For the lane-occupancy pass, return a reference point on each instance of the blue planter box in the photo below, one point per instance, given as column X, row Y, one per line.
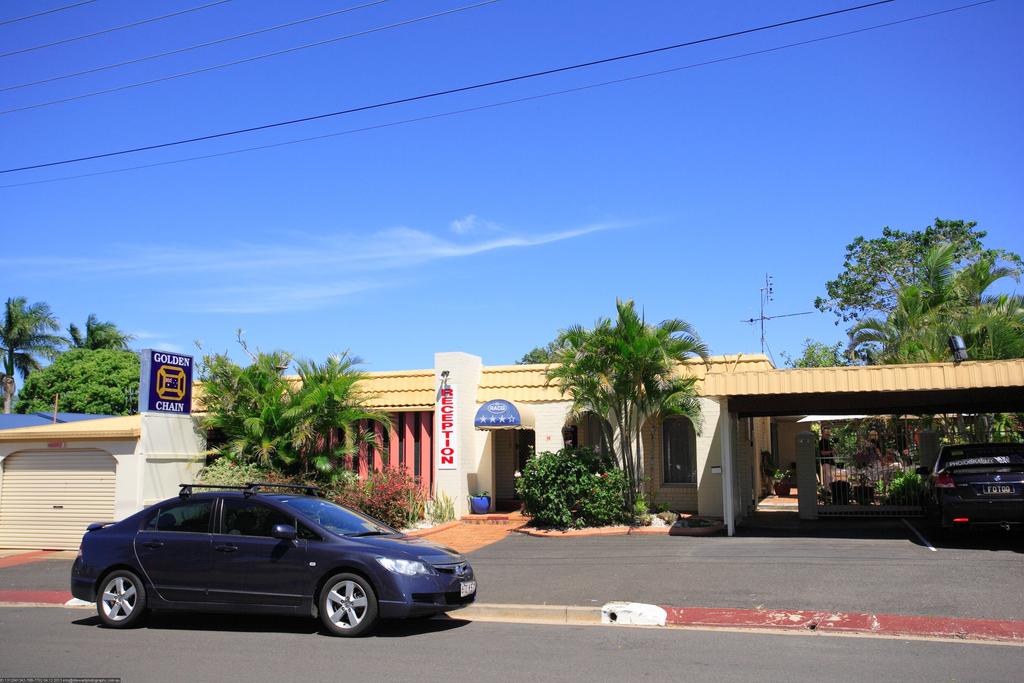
column 480, row 505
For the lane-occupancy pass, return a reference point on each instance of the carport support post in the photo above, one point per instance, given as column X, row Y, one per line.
column 807, row 475
column 727, row 425
column 928, row 447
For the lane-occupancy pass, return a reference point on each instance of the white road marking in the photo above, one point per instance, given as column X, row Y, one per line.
column 924, row 540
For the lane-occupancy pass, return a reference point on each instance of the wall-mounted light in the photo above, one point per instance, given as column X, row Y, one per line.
column 958, row 348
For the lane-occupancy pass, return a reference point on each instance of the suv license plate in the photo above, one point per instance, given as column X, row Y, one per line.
column 995, row 489
column 468, row 588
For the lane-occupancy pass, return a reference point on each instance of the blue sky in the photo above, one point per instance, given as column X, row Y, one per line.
column 488, row 231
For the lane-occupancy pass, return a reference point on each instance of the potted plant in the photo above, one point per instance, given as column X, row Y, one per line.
column 782, row 482
column 863, row 492
column 480, row 503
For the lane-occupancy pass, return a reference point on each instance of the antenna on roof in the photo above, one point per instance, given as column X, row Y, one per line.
column 767, row 296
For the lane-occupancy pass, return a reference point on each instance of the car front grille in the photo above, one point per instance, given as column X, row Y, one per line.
column 456, row 568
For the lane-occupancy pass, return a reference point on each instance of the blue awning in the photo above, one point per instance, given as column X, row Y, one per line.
column 502, row 414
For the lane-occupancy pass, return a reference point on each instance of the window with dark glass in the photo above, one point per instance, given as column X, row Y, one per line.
column 679, row 443
column 595, row 436
column 189, row 516
column 401, row 439
column 385, row 447
column 247, row 518
column 416, row 447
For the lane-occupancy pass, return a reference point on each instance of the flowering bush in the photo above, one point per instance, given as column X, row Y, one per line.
column 392, row 496
column 572, row 488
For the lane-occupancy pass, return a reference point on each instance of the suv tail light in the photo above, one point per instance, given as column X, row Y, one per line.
column 944, row 480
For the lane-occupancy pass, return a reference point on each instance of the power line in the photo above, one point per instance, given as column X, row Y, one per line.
column 502, row 103
column 64, row 41
column 265, row 55
column 44, row 12
column 197, row 46
column 440, row 93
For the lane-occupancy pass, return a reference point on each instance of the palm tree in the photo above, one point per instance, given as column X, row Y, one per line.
column 328, row 402
column 26, row 335
column 98, row 335
column 626, row 372
column 245, row 409
column 942, row 302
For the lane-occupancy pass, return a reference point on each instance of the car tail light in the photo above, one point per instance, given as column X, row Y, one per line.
column 945, row 481
column 960, row 520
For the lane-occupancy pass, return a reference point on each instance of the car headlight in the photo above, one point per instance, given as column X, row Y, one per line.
column 405, row 567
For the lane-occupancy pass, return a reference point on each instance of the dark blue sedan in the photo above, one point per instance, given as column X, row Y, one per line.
column 256, row 550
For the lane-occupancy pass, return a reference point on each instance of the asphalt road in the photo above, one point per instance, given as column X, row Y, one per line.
column 56, row 642
column 894, row 574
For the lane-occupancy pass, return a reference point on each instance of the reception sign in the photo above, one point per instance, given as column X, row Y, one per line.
column 446, row 428
column 165, row 385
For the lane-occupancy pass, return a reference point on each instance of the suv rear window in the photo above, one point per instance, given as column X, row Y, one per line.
column 981, row 456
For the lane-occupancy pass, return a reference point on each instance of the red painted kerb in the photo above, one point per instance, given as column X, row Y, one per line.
column 848, row 622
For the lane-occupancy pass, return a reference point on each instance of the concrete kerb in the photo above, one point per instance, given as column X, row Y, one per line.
column 530, row 614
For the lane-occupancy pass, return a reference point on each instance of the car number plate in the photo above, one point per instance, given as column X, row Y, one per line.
column 468, row 588
column 995, row 489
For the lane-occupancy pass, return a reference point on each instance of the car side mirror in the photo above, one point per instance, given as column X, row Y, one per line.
column 923, row 471
column 285, row 532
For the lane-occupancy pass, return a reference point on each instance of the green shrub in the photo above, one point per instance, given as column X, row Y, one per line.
column 442, row 509
column 573, row 488
column 392, row 496
column 225, row 472
column 906, row 488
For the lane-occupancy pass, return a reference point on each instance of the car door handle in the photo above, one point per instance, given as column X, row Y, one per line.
column 154, row 544
column 225, row 548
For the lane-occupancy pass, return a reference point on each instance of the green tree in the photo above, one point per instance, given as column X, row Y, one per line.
column 100, row 382
column 258, row 415
column 328, row 401
column 627, row 371
column 98, row 335
column 245, row 409
column 27, row 334
column 875, row 270
column 816, row 354
column 541, row 354
column 942, row 301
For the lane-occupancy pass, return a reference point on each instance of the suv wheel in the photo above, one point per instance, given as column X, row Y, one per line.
column 121, row 600
column 348, row 605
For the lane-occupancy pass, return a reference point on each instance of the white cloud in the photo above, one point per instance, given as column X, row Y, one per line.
column 472, row 223
column 305, row 271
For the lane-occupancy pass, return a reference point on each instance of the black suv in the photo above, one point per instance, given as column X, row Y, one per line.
column 976, row 484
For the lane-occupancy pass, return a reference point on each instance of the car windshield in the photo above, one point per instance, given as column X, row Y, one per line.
column 338, row 519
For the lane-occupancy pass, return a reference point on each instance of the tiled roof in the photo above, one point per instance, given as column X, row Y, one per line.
column 528, row 383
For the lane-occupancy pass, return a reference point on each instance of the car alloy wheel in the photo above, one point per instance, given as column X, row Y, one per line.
column 121, row 600
column 348, row 606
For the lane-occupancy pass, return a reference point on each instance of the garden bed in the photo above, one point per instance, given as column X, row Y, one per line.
column 691, row 525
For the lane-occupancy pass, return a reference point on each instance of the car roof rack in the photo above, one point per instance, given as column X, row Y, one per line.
column 249, row 489
column 312, row 490
column 186, row 489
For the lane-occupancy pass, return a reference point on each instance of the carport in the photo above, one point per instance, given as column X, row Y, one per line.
column 918, row 389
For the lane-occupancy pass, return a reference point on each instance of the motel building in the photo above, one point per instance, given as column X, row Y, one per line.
column 462, row 427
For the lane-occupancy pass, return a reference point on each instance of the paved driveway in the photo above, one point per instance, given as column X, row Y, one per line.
column 888, row 575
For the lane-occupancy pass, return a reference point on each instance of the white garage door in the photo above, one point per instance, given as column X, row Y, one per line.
column 47, row 499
